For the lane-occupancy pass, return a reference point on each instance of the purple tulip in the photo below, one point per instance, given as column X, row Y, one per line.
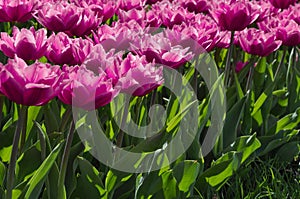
column 257, row 42
column 30, row 85
column 58, row 17
column 283, row 4
column 140, row 77
column 234, row 15
column 16, row 10
column 64, row 50
column 131, row 4
column 26, row 44
column 133, row 14
column 172, row 14
column 102, row 8
column 82, row 88
column 159, row 48
column 196, row 6
column 288, row 32
column 118, row 36
column 86, row 23
column 240, row 65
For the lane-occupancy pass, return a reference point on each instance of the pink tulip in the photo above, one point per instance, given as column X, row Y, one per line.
column 234, row 15
column 140, row 77
column 288, row 32
column 240, row 65
column 30, row 85
column 102, row 8
column 131, row 4
column 86, row 23
column 172, row 14
column 257, row 42
column 283, row 4
column 58, row 17
column 82, row 88
column 64, row 50
column 159, row 48
column 118, row 37
column 16, row 10
column 26, row 44
column 133, row 14
column 196, row 6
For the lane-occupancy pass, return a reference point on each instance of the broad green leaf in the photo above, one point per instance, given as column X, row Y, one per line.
column 247, row 145
column 89, row 184
column 25, row 166
column 288, row 151
column 186, row 173
column 232, row 121
column 169, row 186
column 289, row 122
column 36, row 182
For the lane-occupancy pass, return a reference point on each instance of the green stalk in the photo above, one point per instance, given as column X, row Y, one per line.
column 64, row 162
column 228, row 60
column 14, row 153
column 124, row 118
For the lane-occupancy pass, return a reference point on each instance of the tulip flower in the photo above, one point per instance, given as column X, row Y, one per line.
column 140, row 77
column 133, row 14
column 288, row 32
column 160, row 49
column 172, row 14
column 234, row 15
column 196, row 6
column 64, row 50
column 81, row 88
column 283, row 4
column 30, row 85
column 26, row 44
column 16, row 10
column 131, row 4
column 58, row 17
column 119, row 36
column 103, row 8
column 258, row 42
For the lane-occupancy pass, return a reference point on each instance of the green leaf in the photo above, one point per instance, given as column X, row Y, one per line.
column 232, row 121
column 25, row 166
column 289, row 122
column 170, row 188
column 89, row 183
column 186, row 174
column 2, row 173
column 289, row 151
column 36, row 182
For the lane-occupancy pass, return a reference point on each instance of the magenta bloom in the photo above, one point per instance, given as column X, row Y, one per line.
column 283, row 4
column 131, row 4
column 26, row 44
column 234, row 15
column 140, row 77
column 82, row 88
column 196, row 6
column 30, row 85
column 288, row 32
column 102, row 8
column 240, row 65
column 58, row 17
column 118, row 36
column 159, row 48
column 64, row 50
column 257, row 42
column 16, row 10
column 133, row 14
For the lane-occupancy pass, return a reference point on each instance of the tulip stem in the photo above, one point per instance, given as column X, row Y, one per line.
column 280, row 64
column 228, row 60
column 14, row 152
column 124, row 118
column 64, row 162
column 24, row 127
